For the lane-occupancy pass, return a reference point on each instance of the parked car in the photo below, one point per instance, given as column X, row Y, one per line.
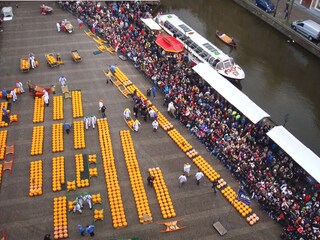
column 7, row 13
column 308, row 28
column 265, row 5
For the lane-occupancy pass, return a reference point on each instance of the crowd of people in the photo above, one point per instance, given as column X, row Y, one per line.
column 266, row 171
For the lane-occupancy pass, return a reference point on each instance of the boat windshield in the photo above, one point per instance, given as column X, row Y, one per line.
column 228, row 63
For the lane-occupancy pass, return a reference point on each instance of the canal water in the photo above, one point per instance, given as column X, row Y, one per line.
column 282, row 78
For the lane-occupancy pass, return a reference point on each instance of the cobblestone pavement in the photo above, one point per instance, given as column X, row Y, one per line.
column 24, row 217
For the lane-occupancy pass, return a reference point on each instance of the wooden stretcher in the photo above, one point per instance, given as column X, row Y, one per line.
column 129, row 122
column 51, row 60
column 119, row 85
column 7, row 165
column 172, row 226
column 66, row 92
column 24, row 64
column 76, row 56
column 89, row 33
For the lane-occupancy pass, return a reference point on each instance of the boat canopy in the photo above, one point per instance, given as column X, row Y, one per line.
column 169, row 43
column 302, row 155
column 234, row 96
column 150, row 23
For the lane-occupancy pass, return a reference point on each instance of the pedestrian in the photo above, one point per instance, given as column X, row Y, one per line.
column 93, row 121
column 214, row 185
column 67, row 127
column 113, row 69
column 88, row 198
column 20, row 86
column 79, row 200
column 136, row 125
column 58, row 26
column 86, row 122
column 100, row 104
column 148, row 92
column 126, row 113
column 63, row 80
column 80, row 23
column 153, row 90
column 47, row 237
column 287, row 5
column 14, row 94
column 53, row 89
column 182, row 180
column 81, row 230
column 155, row 125
column 108, row 77
column 136, row 110
column 150, row 180
column 186, row 169
column 76, row 207
column 46, row 97
column 4, row 94
column 151, row 113
column 90, row 230
column 103, row 111
column 32, row 60
column 198, row 176
column 5, row 112
column 286, row 14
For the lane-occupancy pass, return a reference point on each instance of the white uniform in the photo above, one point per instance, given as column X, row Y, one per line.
column 62, row 80
column 93, row 121
column 20, row 85
column 182, row 179
column 151, row 113
column 87, row 122
column 136, row 125
column 88, row 199
column 14, row 95
column 58, row 27
column 155, row 125
column 80, row 201
column 186, row 169
column 32, row 61
column 77, row 207
column 46, row 97
column 127, row 113
column 100, row 105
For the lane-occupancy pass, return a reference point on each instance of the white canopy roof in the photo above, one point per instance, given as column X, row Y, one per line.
column 151, row 23
column 231, row 93
column 302, row 155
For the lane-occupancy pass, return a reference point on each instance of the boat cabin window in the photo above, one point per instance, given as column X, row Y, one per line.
column 219, row 66
column 227, row 64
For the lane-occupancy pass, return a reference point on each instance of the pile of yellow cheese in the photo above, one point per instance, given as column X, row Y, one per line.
column 3, row 143
column 37, row 140
column 58, row 173
column 77, row 109
column 60, row 218
column 206, row 168
column 57, row 137
column 79, row 139
column 139, row 192
column 183, row 144
column 80, row 169
column 162, row 193
column 35, row 178
column 38, row 113
column 116, row 205
column 58, row 108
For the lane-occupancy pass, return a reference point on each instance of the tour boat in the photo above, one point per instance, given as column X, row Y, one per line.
column 200, row 49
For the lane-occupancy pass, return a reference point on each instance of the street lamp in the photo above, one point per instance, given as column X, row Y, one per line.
column 275, row 11
column 286, row 119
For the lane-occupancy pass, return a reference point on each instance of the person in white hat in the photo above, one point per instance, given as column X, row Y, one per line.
column 136, row 125
column 127, row 113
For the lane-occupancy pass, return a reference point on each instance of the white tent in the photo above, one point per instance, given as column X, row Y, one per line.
column 302, row 155
column 8, row 14
column 230, row 93
column 151, row 23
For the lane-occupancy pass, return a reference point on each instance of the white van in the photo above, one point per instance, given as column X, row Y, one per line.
column 7, row 13
column 308, row 28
